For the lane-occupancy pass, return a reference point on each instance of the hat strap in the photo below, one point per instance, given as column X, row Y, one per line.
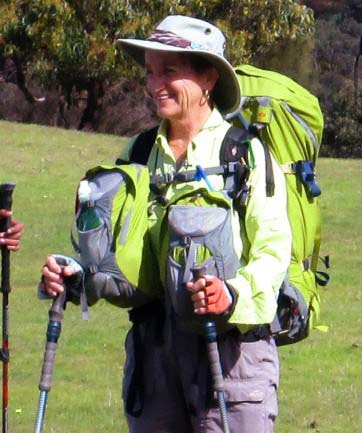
column 169, row 38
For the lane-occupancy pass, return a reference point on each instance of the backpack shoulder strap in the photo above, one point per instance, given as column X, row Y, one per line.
column 142, row 146
column 235, row 148
column 235, row 144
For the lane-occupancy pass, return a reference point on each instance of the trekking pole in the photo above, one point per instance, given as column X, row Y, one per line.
column 214, row 360
column 6, row 190
column 53, row 332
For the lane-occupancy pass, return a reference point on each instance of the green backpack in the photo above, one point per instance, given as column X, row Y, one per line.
column 288, row 119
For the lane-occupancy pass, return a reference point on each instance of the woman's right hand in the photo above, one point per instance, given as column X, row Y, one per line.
column 53, row 275
column 11, row 238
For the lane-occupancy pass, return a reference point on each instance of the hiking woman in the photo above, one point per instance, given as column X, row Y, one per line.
column 11, row 238
column 166, row 386
column 194, row 87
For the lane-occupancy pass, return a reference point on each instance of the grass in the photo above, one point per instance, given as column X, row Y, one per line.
column 321, row 378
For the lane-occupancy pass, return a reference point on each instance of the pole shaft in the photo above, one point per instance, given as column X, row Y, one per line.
column 5, row 348
column 39, row 422
column 5, row 289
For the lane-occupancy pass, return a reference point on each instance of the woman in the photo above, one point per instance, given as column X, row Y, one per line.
column 193, row 87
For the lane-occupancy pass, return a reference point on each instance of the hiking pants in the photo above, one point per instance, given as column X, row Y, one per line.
column 177, row 385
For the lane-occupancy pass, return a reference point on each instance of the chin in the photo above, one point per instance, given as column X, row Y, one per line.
column 168, row 110
column 167, row 114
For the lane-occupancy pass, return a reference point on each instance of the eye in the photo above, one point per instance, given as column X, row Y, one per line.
column 148, row 72
column 170, row 70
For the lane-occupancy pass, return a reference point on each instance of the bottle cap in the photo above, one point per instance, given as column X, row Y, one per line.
column 84, row 191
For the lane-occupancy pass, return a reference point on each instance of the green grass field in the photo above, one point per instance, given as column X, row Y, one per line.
column 321, row 378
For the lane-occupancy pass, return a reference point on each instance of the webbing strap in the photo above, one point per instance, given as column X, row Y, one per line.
column 234, row 140
column 190, row 261
column 254, row 131
column 269, row 174
column 190, row 175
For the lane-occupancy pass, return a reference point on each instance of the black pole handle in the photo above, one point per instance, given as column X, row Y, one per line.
column 6, row 201
column 214, row 356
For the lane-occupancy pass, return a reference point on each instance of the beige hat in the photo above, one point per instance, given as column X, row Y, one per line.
column 183, row 34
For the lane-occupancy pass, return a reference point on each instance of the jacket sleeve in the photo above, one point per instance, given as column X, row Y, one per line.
column 267, row 239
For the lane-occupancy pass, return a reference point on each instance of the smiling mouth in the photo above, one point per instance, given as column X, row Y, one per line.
column 161, row 98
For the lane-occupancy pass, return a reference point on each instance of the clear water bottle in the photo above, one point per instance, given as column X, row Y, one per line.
column 88, row 218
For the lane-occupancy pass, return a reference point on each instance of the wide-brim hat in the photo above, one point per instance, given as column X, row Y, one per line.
column 182, row 34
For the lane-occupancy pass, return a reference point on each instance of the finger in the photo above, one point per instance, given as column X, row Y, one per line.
column 52, row 264
column 197, row 285
column 52, row 288
column 5, row 213
column 16, row 227
column 15, row 235
column 13, row 247
column 199, row 296
column 213, row 296
column 202, row 303
column 50, row 276
column 210, row 290
column 9, row 241
column 201, row 310
column 68, row 271
column 11, row 244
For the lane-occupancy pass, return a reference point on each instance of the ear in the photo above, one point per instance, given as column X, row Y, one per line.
column 212, row 76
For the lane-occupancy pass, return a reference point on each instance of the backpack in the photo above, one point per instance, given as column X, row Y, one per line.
column 288, row 121
column 119, row 245
column 196, row 237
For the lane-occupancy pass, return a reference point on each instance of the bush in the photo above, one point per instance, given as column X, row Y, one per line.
column 123, row 110
column 337, row 44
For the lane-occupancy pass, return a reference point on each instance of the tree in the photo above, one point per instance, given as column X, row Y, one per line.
column 251, row 26
column 15, row 43
column 338, row 38
column 73, row 43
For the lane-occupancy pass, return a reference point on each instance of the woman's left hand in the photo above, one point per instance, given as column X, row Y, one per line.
column 11, row 238
column 210, row 295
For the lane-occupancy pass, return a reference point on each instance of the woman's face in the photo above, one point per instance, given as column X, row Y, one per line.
column 177, row 89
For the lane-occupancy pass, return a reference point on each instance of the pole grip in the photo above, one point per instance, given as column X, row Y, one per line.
column 6, row 201
column 214, row 357
column 45, row 383
column 53, row 333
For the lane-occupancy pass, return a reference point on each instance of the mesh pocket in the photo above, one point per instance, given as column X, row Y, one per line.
column 93, row 245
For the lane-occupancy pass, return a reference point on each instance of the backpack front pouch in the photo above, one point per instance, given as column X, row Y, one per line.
column 199, row 238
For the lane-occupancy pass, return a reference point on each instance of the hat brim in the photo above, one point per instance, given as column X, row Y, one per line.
column 227, row 92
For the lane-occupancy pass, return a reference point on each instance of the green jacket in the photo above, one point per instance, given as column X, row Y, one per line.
column 263, row 242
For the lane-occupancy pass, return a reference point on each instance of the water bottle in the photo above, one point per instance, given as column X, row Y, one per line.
column 88, row 218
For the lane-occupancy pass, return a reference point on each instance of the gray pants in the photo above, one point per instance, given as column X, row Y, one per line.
column 177, row 386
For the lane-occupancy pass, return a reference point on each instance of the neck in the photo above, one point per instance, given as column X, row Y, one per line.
column 182, row 131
